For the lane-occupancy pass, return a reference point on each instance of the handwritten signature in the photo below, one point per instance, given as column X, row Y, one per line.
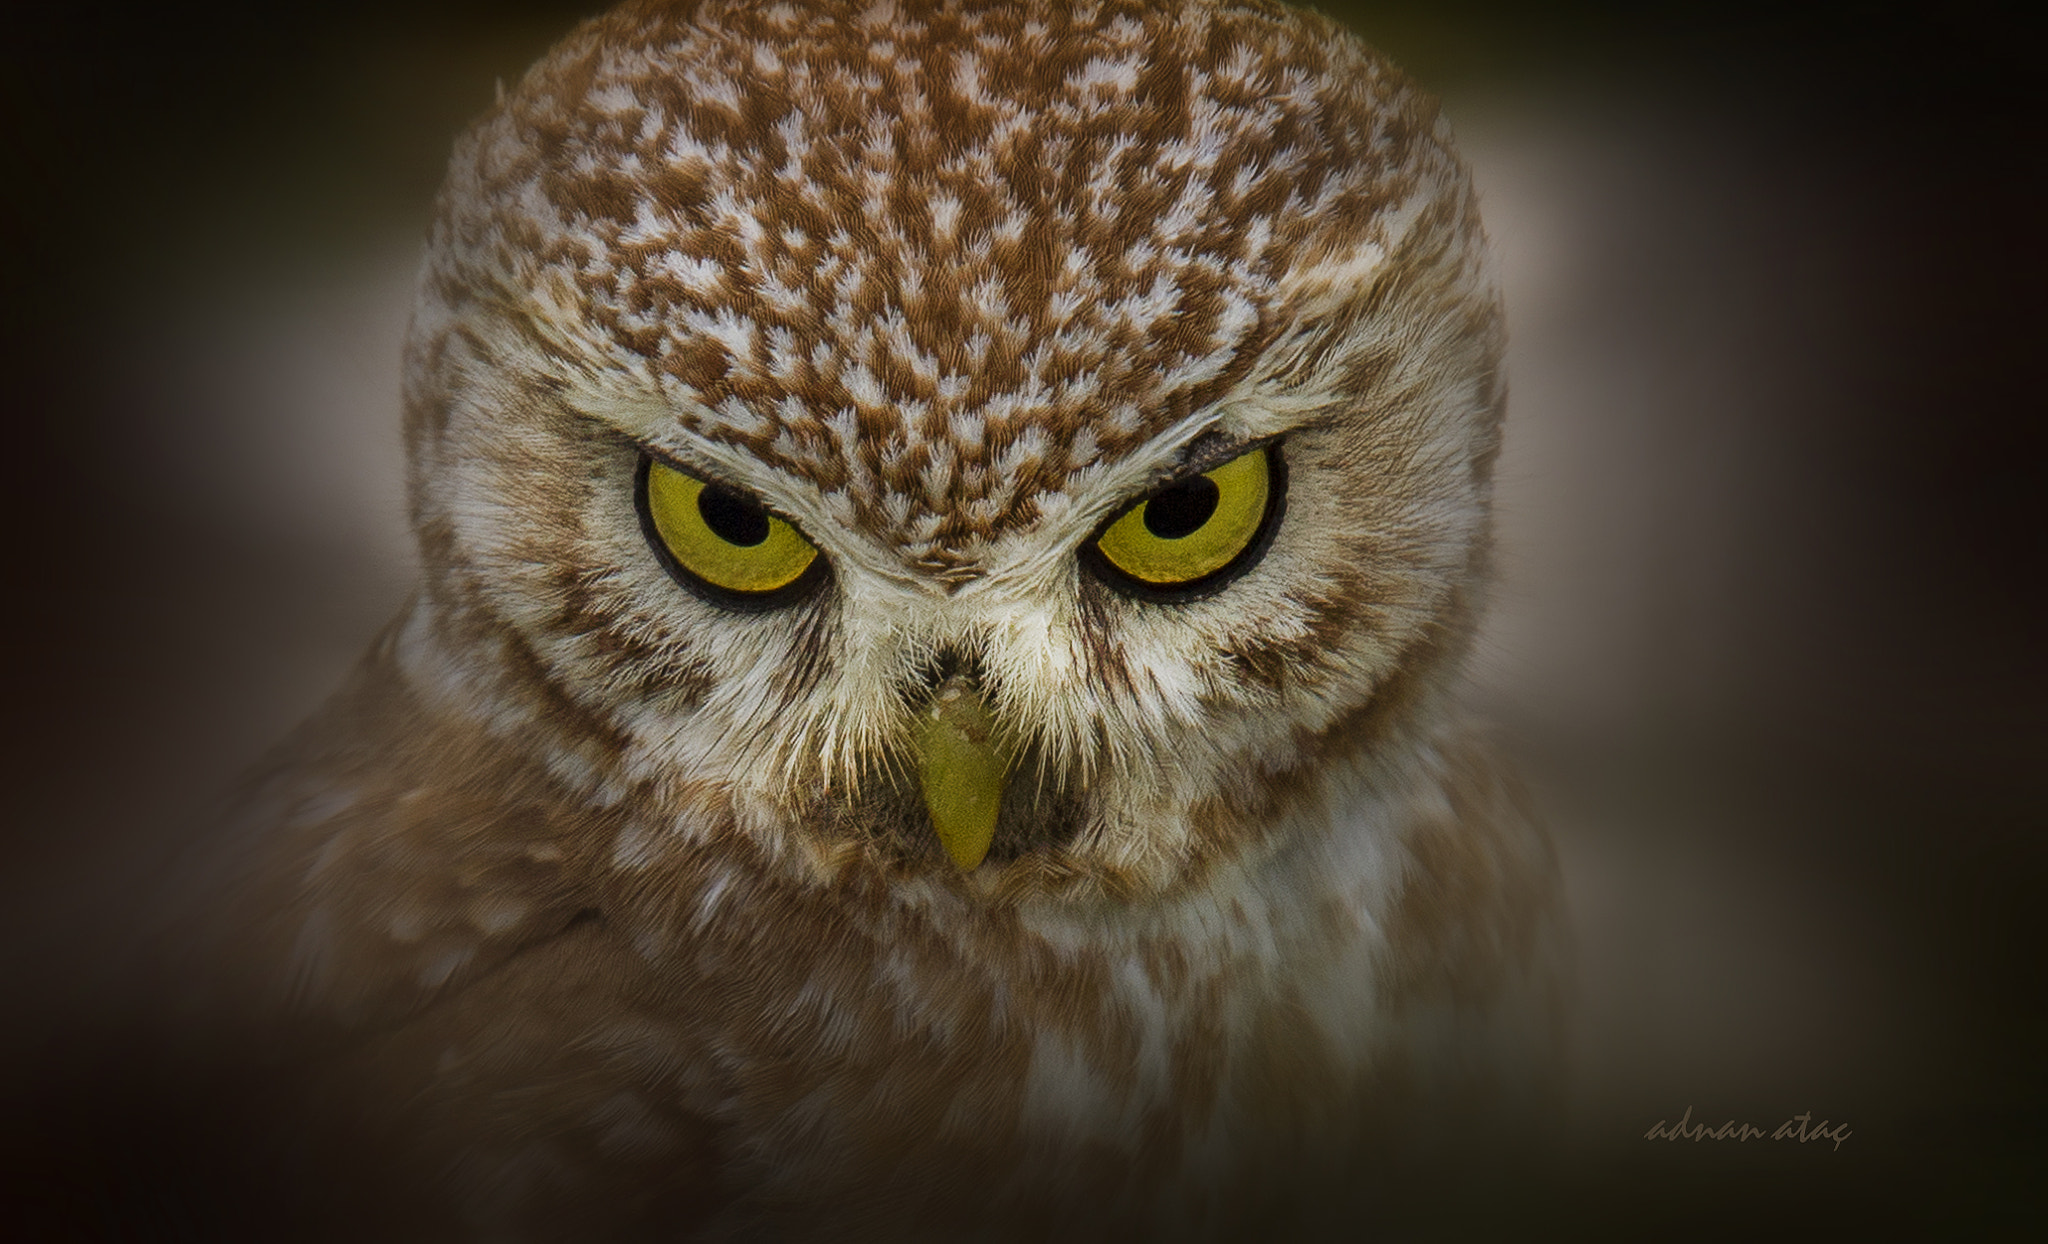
column 1799, row 1127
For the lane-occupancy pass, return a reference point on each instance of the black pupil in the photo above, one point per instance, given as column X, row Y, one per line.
column 732, row 517
column 1182, row 509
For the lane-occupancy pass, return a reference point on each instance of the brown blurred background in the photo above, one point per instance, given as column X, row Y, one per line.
column 1771, row 631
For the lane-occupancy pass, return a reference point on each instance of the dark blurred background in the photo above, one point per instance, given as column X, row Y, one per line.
column 1771, row 630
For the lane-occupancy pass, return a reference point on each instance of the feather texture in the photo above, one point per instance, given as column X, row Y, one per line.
column 599, row 906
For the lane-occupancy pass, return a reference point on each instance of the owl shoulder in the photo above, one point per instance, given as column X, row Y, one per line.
column 384, row 857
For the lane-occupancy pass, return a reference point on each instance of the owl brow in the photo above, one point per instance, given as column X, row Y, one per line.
column 706, row 469
column 1209, row 450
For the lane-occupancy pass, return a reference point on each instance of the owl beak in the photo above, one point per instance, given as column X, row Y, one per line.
column 962, row 770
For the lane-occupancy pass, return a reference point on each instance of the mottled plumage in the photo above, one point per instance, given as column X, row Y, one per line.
column 605, row 903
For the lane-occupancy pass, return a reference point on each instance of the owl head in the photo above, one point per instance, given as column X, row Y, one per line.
column 1010, row 448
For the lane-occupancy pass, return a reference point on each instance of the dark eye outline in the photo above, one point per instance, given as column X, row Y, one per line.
column 1216, row 580
column 791, row 593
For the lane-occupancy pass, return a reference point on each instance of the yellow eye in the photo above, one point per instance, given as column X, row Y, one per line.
column 723, row 543
column 1195, row 533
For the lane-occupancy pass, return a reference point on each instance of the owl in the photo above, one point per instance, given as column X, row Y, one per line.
column 951, row 534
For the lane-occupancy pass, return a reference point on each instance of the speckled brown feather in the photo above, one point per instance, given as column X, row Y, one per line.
column 945, row 254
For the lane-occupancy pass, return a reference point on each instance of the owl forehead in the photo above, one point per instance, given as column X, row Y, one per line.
column 934, row 260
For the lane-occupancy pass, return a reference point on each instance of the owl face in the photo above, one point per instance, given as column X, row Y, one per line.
column 994, row 448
